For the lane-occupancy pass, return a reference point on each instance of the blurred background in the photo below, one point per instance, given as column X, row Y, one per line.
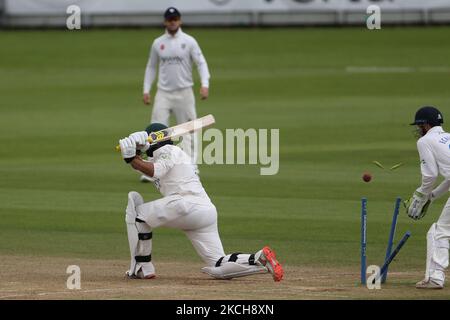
column 52, row 13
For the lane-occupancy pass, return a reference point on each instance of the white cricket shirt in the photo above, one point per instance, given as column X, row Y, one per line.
column 175, row 55
column 174, row 173
column 434, row 152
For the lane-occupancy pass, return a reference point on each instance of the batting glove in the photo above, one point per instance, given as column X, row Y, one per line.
column 140, row 139
column 417, row 205
column 128, row 149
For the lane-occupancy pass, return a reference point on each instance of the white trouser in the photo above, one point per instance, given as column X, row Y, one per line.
column 437, row 247
column 182, row 104
column 196, row 216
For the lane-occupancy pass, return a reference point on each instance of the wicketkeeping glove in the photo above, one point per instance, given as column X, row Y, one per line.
column 140, row 140
column 128, row 149
column 417, row 206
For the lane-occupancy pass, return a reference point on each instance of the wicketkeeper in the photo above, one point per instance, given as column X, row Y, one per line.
column 186, row 206
column 434, row 151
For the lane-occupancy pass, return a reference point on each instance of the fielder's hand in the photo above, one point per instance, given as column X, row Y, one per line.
column 140, row 139
column 417, row 206
column 204, row 93
column 128, row 149
column 147, row 98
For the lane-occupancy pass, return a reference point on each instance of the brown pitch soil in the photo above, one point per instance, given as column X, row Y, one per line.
column 32, row 277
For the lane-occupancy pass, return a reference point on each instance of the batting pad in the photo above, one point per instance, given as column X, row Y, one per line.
column 139, row 238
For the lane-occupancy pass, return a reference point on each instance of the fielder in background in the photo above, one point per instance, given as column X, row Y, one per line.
column 174, row 52
column 434, row 151
column 186, row 206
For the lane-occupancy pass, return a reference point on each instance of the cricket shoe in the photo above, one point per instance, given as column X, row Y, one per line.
column 430, row 284
column 140, row 275
column 268, row 259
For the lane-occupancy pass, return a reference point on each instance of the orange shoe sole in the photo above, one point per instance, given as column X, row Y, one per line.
column 272, row 264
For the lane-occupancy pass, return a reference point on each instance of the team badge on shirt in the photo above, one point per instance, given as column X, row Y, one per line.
column 183, row 46
column 162, row 46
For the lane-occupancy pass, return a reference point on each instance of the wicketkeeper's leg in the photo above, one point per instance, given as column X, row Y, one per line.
column 437, row 247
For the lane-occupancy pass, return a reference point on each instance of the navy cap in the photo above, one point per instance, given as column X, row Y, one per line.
column 172, row 12
column 428, row 115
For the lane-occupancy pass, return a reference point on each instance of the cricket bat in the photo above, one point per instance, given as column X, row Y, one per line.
column 179, row 130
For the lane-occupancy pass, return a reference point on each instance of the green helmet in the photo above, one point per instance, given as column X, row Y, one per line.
column 154, row 127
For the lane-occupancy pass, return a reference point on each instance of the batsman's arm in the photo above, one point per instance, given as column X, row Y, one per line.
column 145, row 167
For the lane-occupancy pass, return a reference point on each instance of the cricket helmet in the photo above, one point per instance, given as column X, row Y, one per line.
column 428, row 115
column 154, row 127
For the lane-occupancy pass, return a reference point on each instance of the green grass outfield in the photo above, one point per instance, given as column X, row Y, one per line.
column 67, row 97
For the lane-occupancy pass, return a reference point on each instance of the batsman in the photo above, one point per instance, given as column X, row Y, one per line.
column 185, row 205
column 434, row 151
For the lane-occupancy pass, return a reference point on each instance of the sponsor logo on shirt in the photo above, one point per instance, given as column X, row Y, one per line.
column 171, row 60
column 444, row 140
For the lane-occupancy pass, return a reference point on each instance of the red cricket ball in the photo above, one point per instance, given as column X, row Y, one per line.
column 367, row 176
